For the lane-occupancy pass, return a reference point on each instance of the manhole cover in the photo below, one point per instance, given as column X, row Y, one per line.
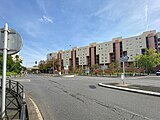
column 92, row 86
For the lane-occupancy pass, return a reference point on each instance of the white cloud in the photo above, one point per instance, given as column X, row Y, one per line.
column 42, row 5
column 102, row 10
column 32, row 28
column 46, row 19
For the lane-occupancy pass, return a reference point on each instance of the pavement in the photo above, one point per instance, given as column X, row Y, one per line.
column 142, row 89
column 35, row 113
column 80, row 98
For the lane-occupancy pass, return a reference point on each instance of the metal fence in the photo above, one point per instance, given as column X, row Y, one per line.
column 15, row 101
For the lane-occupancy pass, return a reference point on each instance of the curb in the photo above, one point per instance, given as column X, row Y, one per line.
column 36, row 109
column 33, row 110
column 131, row 90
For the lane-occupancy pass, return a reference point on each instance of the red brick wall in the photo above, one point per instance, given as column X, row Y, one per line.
column 74, row 59
column 151, row 42
column 92, row 56
column 117, row 48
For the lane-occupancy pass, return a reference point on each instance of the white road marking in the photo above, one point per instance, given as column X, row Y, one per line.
column 37, row 110
column 23, row 80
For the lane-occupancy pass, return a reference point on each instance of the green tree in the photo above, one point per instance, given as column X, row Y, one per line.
column 150, row 59
column 41, row 65
column 12, row 65
column 114, row 65
column 56, row 64
column 94, row 67
column 45, row 65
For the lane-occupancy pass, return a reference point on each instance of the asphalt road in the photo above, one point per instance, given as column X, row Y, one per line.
column 81, row 98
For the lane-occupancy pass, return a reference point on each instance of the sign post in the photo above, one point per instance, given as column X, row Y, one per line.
column 123, row 60
column 4, row 71
column 10, row 43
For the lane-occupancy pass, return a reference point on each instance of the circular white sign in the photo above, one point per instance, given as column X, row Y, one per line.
column 14, row 43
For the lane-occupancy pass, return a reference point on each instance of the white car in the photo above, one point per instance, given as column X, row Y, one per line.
column 158, row 72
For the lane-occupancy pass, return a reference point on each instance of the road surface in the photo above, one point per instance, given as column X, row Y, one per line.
column 80, row 98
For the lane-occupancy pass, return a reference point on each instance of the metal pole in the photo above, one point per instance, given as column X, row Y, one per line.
column 123, row 69
column 4, row 71
column 123, row 73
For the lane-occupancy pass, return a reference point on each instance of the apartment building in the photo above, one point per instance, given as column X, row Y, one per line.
column 103, row 51
column 66, row 58
column 82, row 54
column 107, row 52
column 50, row 56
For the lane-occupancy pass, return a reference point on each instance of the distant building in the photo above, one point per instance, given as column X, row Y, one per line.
column 107, row 52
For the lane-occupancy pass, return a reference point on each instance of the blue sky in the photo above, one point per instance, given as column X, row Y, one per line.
column 51, row 25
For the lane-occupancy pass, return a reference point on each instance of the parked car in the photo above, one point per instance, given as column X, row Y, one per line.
column 158, row 72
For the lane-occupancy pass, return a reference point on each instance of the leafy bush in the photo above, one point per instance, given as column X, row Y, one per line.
column 11, row 73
